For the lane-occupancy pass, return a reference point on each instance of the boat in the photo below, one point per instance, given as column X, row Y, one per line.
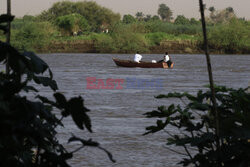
column 142, row 64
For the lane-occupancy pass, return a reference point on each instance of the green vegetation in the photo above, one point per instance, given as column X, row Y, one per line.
column 158, row 37
column 122, row 40
column 127, row 19
column 81, row 22
column 97, row 17
column 232, row 37
column 72, row 24
column 31, row 35
column 181, row 19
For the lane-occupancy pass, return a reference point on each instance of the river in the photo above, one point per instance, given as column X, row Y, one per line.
column 117, row 115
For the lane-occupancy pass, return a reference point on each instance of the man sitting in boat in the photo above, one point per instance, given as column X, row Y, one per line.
column 137, row 57
column 166, row 59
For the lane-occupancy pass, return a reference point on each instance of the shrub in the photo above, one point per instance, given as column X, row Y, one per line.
column 32, row 35
column 170, row 28
column 156, row 38
column 193, row 127
column 231, row 37
column 127, row 41
column 104, row 43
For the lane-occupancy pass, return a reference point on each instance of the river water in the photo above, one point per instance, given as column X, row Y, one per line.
column 117, row 115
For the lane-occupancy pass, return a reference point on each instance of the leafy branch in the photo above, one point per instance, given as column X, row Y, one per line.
column 28, row 127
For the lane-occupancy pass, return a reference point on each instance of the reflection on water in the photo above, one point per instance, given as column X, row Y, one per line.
column 117, row 115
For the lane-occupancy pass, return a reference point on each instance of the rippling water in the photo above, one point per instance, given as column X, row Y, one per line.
column 117, row 115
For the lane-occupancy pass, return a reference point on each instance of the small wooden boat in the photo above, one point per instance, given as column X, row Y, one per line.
column 129, row 63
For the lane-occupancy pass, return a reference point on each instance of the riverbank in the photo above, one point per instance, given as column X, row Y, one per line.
column 89, row 46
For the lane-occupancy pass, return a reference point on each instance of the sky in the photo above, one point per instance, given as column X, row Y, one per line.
column 189, row 8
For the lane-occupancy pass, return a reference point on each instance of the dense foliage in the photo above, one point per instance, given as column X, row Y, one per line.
column 72, row 24
column 127, row 19
column 231, row 37
column 181, row 19
column 195, row 127
column 121, row 40
column 86, row 21
column 28, row 124
column 31, row 35
column 95, row 15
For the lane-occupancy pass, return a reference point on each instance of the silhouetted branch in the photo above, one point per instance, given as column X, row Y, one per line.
column 91, row 144
column 206, row 49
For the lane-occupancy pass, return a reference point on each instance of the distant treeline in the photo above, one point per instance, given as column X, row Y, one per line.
column 68, row 22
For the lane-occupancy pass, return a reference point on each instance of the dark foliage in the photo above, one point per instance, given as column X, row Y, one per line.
column 195, row 127
column 28, row 126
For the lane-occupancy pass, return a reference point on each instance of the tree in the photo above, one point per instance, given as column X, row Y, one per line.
column 211, row 9
column 72, row 23
column 139, row 16
column 193, row 21
column 95, row 14
column 181, row 19
column 29, row 18
column 230, row 9
column 148, row 17
column 212, row 14
column 155, row 17
column 165, row 12
column 127, row 19
column 222, row 16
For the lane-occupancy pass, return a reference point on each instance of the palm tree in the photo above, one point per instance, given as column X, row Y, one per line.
column 212, row 9
column 139, row 15
column 230, row 10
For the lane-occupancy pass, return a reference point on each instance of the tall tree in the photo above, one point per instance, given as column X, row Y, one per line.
column 127, row 19
column 212, row 14
column 222, row 16
column 148, row 17
column 139, row 16
column 165, row 12
column 211, row 9
column 230, row 9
